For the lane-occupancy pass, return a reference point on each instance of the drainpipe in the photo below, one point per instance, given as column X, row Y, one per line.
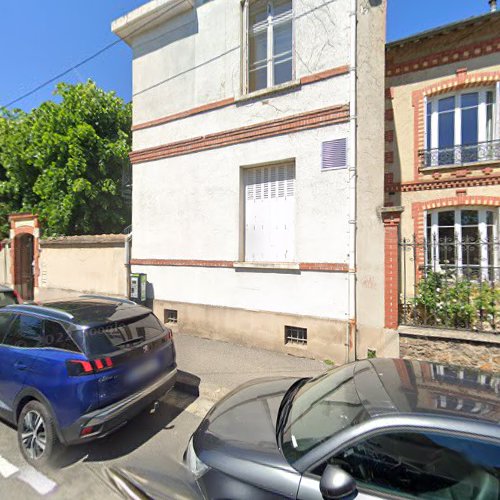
column 128, row 252
column 351, row 304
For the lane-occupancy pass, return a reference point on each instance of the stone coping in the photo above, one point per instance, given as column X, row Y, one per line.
column 437, row 333
column 84, row 240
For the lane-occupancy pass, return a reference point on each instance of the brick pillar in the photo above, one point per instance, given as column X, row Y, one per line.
column 391, row 217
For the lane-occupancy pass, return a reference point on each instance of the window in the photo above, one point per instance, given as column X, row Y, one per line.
column 169, row 316
column 25, row 331
column 5, row 320
column 295, row 335
column 460, row 129
column 55, row 336
column 269, row 42
column 270, row 213
column 463, row 240
column 427, row 465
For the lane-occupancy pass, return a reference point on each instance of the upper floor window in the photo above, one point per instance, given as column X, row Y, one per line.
column 460, row 129
column 270, row 43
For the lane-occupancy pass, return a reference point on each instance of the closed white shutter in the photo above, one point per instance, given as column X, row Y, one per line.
column 270, row 213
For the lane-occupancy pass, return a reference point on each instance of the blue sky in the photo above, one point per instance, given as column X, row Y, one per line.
column 41, row 38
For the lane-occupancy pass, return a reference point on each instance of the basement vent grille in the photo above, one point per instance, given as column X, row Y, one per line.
column 169, row 316
column 334, row 154
column 295, row 335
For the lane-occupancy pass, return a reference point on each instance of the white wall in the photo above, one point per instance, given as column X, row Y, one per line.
column 5, row 265
column 187, row 207
column 194, row 59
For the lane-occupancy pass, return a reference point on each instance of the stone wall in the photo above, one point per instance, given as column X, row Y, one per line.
column 455, row 351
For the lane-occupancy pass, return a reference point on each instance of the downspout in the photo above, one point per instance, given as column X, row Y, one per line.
column 351, row 340
column 128, row 247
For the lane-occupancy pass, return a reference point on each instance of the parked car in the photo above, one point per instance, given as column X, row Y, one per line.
column 383, row 428
column 8, row 296
column 76, row 370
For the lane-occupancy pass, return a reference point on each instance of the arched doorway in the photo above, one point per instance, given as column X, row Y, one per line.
column 24, row 268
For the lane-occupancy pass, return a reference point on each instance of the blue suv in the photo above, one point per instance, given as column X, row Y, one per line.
column 76, row 370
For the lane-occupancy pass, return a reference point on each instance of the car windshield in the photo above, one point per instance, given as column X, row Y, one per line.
column 7, row 298
column 322, row 407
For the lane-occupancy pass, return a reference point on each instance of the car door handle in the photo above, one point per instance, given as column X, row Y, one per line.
column 20, row 365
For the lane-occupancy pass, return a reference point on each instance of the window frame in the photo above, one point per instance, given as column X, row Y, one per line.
column 433, row 261
column 431, row 130
column 245, row 44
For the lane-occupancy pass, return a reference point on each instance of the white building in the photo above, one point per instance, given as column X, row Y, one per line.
column 258, row 170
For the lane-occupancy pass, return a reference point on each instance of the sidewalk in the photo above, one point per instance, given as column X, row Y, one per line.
column 214, row 368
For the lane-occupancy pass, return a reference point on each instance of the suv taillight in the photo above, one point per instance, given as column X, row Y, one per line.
column 77, row 367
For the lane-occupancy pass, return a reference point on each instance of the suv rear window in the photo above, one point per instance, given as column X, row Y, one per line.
column 7, row 298
column 119, row 336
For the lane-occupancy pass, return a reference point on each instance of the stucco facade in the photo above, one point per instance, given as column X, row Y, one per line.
column 197, row 132
column 424, row 175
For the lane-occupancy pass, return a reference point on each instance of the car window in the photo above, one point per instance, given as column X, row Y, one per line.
column 7, row 298
column 5, row 320
column 322, row 407
column 424, row 465
column 114, row 337
column 55, row 336
column 25, row 331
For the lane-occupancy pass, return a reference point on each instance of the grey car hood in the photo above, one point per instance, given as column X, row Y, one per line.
column 241, row 428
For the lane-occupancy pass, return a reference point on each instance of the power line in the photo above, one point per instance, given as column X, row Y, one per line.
column 84, row 61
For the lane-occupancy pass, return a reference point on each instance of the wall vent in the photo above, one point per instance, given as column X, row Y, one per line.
column 334, row 154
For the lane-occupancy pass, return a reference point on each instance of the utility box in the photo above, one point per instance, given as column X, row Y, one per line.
column 138, row 283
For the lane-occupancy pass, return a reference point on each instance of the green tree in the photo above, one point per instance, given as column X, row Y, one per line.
column 66, row 161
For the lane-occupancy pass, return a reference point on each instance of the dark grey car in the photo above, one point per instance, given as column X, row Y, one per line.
column 385, row 428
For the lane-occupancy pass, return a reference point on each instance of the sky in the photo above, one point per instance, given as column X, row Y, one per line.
column 42, row 38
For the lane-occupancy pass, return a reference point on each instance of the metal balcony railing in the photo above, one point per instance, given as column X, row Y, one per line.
column 460, row 155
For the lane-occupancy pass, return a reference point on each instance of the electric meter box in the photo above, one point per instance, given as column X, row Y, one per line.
column 138, row 283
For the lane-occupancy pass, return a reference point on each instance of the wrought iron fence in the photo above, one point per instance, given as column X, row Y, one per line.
column 450, row 283
column 460, row 155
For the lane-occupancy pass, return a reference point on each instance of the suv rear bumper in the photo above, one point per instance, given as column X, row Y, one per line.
column 108, row 419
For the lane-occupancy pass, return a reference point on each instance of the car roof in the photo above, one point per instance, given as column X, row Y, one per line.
column 402, row 386
column 5, row 288
column 87, row 310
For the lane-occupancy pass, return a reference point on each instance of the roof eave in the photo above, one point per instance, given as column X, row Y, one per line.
column 147, row 16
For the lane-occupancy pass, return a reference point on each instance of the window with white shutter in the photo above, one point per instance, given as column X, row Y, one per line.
column 334, row 154
column 270, row 213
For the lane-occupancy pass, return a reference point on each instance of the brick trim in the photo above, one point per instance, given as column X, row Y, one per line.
column 460, row 81
column 404, row 187
column 289, row 124
column 305, row 80
column 391, row 219
column 303, row 266
column 470, row 51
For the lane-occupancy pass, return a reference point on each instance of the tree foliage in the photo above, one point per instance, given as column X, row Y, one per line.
column 66, row 161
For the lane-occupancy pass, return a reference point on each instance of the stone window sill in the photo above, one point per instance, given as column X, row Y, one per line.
column 267, row 265
column 269, row 91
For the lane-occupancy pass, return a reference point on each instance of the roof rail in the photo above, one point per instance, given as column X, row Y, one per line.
column 111, row 299
column 34, row 308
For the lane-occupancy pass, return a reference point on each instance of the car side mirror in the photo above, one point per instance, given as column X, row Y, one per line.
column 337, row 484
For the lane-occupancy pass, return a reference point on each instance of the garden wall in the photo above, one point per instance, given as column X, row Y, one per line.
column 468, row 349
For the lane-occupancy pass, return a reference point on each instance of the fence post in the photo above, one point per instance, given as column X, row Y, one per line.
column 391, row 217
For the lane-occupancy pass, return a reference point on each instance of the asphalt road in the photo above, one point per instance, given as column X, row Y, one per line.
column 209, row 370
